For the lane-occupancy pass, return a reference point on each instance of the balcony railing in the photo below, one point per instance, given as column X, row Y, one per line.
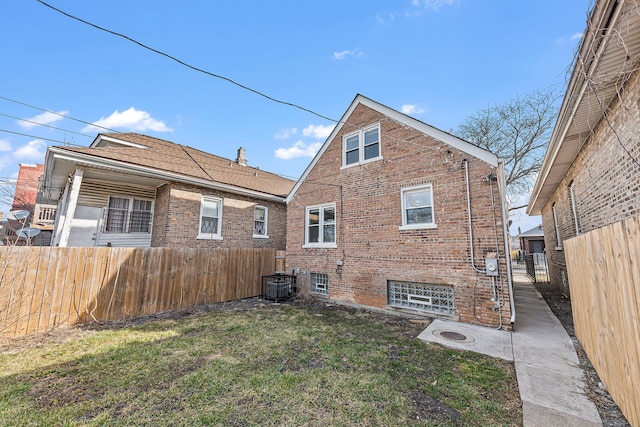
column 44, row 214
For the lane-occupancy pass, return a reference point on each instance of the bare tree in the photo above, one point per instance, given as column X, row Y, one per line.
column 517, row 131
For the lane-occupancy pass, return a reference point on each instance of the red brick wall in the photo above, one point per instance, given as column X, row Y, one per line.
column 606, row 179
column 177, row 219
column 368, row 217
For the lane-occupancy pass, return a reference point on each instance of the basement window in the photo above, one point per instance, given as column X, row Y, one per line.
column 319, row 283
column 425, row 297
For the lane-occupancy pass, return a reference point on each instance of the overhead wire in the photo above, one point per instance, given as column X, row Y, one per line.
column 40, row 137
column 58, row 114
column 192, row 67
column 45, row 125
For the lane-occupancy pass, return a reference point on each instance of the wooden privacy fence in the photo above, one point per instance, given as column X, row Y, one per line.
column 604, row 278
column 43, row 287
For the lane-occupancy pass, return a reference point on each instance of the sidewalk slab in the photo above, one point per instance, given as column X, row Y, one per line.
column 550, row 380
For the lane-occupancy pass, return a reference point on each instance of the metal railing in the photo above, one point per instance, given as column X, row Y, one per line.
column 533, row 266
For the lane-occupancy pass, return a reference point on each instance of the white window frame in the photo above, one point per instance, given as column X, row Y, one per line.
column 321, row 243
column 574, row 208
column 414, row 189
column 218, row 234
column 266, row 222
column 127, row 219
column 361, row 145
column 557, row 227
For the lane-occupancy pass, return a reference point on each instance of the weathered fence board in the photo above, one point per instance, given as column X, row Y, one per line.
column 604, row 278
column 42, row 288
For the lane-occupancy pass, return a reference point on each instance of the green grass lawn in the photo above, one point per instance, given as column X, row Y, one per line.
column 271, row 365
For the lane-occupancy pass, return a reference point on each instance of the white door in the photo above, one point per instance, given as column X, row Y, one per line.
column 84, row 226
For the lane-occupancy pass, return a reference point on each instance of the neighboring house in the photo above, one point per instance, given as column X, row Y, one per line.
column 380, row 218
column 133, row 190
column 532, row 241
column 26, row 197
column 590, row 176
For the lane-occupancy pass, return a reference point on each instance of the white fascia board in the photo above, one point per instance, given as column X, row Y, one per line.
column 155, row 173
column 101, row 137
column 438, row 134
column 577, row 84
column 322, row 149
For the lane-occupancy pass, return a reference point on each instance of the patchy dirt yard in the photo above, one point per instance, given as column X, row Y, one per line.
column 561, row 307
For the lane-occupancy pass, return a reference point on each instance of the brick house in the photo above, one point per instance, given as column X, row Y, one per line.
column 589, row 177
column 532, row 241
column 380, row 218
column 133, row 190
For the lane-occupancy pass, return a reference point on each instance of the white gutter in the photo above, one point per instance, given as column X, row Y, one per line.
column 505, row 230
column 155, row 173
column 550, row 157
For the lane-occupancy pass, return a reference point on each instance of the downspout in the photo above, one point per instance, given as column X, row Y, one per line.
column 466, row 170
column 505, row 229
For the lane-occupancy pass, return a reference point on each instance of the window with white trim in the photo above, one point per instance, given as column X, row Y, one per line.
column 260, row 219
column 557, row 227
column 361, row 146
column 320, row 226
column 210, row 218
column 319, row 283
column 574, row 208
column 417, row 207
column 127, row 215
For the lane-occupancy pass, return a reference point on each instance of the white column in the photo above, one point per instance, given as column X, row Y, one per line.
column 71, row 207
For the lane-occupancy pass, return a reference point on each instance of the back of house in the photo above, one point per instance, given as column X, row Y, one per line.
column 396, row 215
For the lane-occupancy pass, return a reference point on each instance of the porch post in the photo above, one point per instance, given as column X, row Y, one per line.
column 71, row 207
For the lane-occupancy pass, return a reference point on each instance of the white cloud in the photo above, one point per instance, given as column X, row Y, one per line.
column 318, row 131
column 32, row 150
column 346, row 53
column 286, row 133
column 433, row 4
column 131, row 119
column 385, row 18
column 412, row 109
column 569, row 39
column 4, row 145
column 43, row 119
column 298, row 149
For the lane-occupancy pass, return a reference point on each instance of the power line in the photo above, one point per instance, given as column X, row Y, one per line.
column 48, row 126
column 57, row 114
column 40, row 137
column 200, row 70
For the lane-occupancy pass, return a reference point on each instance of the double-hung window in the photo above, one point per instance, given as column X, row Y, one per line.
column 320, row 226
column 210, row 218
column 128, row 215
column 417, row 207
column 361, row 146
column 260, row 218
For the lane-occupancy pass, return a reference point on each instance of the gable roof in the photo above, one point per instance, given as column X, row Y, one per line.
column 534, row 232
column 409, row 121
column 608, row 54
column 153, row 157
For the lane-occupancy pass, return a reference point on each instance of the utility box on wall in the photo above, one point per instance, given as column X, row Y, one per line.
column 491, row 263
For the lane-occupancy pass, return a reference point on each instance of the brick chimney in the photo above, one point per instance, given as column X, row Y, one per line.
column 242, row 157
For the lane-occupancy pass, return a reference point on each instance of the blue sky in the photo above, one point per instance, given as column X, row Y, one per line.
column 437, row 60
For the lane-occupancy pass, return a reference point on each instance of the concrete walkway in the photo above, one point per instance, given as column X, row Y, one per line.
column 547, row 366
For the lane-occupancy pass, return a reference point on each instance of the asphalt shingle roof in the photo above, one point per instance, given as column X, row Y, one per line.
column 167, row 156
